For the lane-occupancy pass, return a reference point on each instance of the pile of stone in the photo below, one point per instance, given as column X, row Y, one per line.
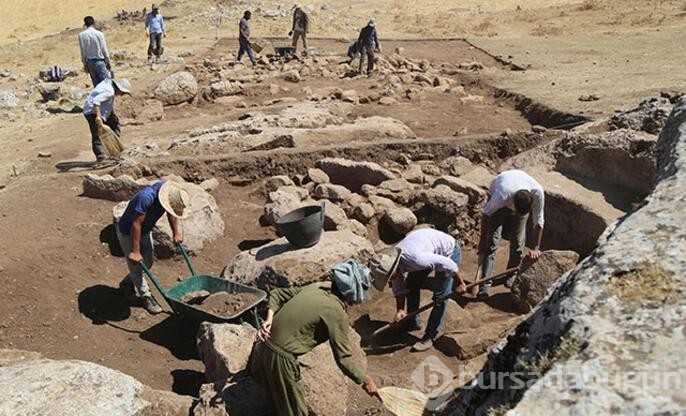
column 384, row 203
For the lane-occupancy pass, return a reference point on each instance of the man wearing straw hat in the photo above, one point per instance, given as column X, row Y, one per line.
column 134, row 233
column 99, row 108
column 418, row 254
column 299, row 319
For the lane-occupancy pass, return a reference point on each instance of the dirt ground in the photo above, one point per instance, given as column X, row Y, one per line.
column 57, row 268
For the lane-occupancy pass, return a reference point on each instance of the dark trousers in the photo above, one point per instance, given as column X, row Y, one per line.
column 96, row 144
column 245, row 47
column 512, row 226
column 368, row 53
column 155, row 45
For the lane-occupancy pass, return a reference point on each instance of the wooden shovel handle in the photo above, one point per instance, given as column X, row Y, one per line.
column 443, row 299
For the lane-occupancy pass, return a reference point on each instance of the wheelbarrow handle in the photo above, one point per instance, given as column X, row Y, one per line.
column 182, row 248
column 156, row 283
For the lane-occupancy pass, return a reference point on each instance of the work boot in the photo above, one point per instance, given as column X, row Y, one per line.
column 484, row 292
column 151, row 305
column 423, row 345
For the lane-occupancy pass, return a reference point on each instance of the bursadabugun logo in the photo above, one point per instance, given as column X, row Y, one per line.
column 434, row 379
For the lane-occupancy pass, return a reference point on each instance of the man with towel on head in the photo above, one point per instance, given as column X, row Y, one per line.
column 299, row 319
column 134, row 232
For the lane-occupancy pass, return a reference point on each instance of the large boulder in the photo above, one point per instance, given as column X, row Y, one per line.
column 476, row 194
column 535, row 277
column 177, row 88
column 279, row 264
column 275, row 182
column 334, row 216
column 612, row 329
column 80, row 388
column 284, row 200
column 224, row 349
column 353, row 174
column 121, row 188
column 324, row 385
column 401, row 220
column 457, row 165
column 203, row 224
column 331, row 192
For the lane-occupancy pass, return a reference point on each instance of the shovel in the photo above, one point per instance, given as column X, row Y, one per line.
column 395, row 325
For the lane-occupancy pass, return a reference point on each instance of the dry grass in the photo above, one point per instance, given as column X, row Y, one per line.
column 564, row 350
column 499, row 410
column 646, row 283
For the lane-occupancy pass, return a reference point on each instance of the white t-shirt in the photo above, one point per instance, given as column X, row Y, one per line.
column 505, row 186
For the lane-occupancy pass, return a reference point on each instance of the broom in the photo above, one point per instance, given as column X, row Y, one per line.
column 110, row 140
column 403, row 402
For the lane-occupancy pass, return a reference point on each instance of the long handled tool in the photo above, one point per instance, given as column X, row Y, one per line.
column 394, row 325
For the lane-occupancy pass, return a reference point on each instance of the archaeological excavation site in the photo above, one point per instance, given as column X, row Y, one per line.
column 261, row 242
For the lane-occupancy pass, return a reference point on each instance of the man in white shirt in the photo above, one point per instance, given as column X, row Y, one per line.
column 94, row 55
column 99, row 108
column 513, row 196
column 417, row 255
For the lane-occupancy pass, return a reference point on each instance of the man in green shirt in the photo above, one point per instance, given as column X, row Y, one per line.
column 299, row 319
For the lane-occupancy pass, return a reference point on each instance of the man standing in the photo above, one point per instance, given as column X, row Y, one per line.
column 367, row 41
column 513, row 195
column 299, row 319
column 244, row 39
column 300, row 28
column 135, row 237
column 154, row 29
column 94, row 55
column 418, row 254
column 99, row 108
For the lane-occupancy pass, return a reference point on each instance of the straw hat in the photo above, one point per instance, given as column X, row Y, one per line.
column 383, row 265
column 122, row 85
column 372, row 22
column 174, row 199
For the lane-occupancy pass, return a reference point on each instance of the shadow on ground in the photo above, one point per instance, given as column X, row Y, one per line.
column 187, row 382
column 102, row 304
column 176, row 336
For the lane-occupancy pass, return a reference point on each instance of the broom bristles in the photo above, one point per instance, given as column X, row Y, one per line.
column 110, row 141
column 403, row 402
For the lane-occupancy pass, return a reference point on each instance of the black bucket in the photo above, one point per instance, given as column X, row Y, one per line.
column 303, row 227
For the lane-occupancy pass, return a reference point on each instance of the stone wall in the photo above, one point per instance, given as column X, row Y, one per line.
column 609, row 337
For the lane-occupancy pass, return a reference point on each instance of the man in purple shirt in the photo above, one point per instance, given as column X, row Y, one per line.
column 417, row 255
column 134, row 232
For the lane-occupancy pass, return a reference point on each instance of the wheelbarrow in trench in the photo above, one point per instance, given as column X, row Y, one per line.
column 194, row 314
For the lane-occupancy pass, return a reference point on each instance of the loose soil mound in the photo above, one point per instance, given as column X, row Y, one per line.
column 227, row 304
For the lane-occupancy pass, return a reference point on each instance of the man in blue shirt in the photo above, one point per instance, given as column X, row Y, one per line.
column 134, row 233
column 154, row 29
column 366, row 42
column 244, row 39
column 99, row 108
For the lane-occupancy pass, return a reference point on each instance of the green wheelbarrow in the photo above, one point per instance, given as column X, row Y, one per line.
column 193, row 314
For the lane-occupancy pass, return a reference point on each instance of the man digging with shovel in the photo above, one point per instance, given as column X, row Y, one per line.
column 299, row 319
column 134, row 232
column 418, row 254
column 513, row 195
